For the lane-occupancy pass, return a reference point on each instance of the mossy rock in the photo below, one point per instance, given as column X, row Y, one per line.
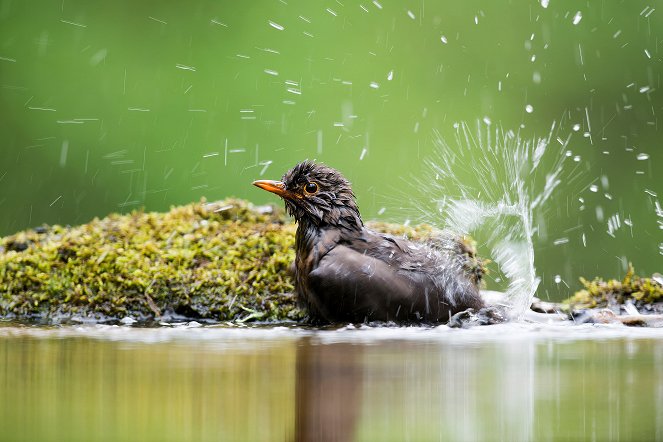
column 223, row 261
column 645, row 293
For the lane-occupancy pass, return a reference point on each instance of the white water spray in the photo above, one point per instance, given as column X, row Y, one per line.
column 491, row 182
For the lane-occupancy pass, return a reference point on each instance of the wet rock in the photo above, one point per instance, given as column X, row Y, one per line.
column 546, row 307
column 595, row 316
column 643, row 320
column 486, row 316
column 607, row 316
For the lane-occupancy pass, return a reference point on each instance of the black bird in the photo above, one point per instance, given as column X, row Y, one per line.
column 345, row 272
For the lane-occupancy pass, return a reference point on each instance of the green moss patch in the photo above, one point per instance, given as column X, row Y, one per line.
column 599, row 293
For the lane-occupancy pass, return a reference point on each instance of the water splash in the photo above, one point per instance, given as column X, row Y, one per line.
column 494, row 183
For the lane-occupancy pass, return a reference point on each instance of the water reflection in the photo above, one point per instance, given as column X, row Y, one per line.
column 328, row 391
column 341, row 386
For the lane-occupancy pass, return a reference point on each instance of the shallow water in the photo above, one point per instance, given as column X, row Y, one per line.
column 505, row 382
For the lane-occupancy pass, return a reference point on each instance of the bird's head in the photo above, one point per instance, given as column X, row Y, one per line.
column 316, row 194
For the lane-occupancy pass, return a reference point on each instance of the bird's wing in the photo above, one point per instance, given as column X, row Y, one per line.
column 396, row 252
column 355, row 287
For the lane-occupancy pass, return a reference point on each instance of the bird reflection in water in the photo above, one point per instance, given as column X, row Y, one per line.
column 328, row 391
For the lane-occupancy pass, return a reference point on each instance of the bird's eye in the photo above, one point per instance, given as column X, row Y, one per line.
column 310, row 188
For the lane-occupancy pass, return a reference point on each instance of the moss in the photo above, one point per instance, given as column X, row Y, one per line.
column 222, row 261
column 599, row 293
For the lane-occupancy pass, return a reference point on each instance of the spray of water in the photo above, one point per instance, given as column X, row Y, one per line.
column 494, row 182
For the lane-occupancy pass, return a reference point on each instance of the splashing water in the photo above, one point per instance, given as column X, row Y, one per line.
column 493, row 186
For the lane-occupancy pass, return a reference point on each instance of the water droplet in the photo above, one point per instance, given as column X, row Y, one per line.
column 63, row 153
column 98, row 57
column 605, row 182
column 599, row 214
column 443, row 39
column 275, row 25
column 529, row 109
column 594, row 188
column 545, row 3
column 643, row 156
column 374, row 85
column 577, row 18
column 558, row 279
column 576, row 127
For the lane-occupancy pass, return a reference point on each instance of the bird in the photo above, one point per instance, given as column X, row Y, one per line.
column 345, row 272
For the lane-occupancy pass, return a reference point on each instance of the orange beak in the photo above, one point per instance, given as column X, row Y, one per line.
column 276, row 187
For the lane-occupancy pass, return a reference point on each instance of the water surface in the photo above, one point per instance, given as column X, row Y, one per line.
column 507, row 382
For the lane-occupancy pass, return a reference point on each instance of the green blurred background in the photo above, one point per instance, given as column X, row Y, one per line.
column 114, row 106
